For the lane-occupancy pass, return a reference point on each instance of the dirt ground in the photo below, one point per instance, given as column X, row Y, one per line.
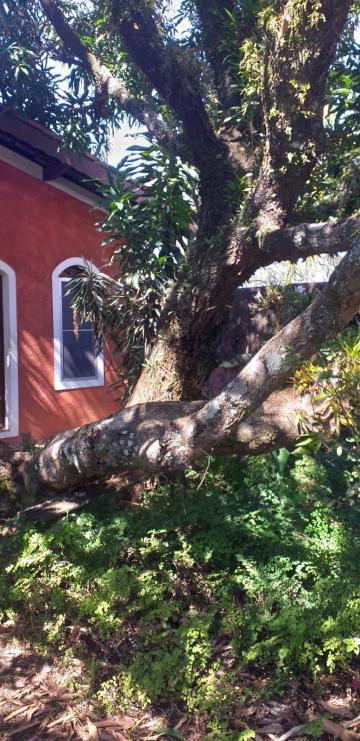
column 42, row 698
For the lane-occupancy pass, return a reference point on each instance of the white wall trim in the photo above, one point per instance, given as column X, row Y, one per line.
column 36, row 171
column 61, row 384
column 10, row 352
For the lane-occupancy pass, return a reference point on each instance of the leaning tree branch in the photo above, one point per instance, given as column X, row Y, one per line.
column 107, row 85
column 83, row 458
column 245, row 255
column 270, row 368
column 307, row 240
column 170, row 437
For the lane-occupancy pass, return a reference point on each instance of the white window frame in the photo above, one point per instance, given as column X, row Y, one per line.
column 11, row 427
column 63, row 384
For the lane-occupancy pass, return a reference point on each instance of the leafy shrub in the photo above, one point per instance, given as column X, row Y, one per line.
column 333, row 378
column 249, row 568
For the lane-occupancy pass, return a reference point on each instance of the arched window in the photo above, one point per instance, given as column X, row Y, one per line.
column 76, row 364
column 9, row 393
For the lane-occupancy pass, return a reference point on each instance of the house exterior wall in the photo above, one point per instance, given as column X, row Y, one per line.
column 40, row 226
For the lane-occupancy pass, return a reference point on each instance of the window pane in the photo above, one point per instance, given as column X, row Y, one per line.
column 78, row 355
column 67, row 312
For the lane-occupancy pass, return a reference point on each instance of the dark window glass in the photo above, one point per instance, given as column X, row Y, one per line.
column 78, row 356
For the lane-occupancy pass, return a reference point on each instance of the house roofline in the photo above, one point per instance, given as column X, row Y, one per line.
column 43, row 147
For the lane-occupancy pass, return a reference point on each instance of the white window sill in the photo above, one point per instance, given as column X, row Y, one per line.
column 78, row 383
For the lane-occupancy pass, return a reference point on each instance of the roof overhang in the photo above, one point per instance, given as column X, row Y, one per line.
column 44, row 148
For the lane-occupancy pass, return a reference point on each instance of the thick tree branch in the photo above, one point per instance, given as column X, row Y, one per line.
column 271, row 367
column 217, row 281
column 301, row 45
column 300, row 48
column 107, row 85
column 214, row 24
column 83, row 457
column 222, row 40
column 307, row 240
column 275, row 424
column 173, row 72
column 242, row 152
column 245, row 255
column 140, row 438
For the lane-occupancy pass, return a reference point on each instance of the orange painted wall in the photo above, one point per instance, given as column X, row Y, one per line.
column 39, row 227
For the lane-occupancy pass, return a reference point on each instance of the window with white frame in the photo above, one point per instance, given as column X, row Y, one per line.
column 9, row 390
column 76, row 361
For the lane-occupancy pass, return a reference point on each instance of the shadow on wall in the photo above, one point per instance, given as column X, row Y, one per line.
column 44, row 411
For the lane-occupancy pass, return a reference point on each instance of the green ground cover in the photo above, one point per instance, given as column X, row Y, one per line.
column 253, row 567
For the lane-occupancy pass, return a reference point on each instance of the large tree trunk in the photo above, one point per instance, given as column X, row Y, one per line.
column 197, row 314
column 170, row 436
column 108, row 447
column 239, row 229
column 279, row 155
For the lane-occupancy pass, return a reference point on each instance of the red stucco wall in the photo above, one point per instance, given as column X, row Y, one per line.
column 39, row 227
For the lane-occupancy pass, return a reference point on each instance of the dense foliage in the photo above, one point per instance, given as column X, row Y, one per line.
column 40, row 82
column 244, row 569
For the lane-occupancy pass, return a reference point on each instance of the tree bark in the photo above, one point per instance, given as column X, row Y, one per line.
column 239, row 230
column 172, row 436
column 186, row 352
column 77, row 457
column 232, row 227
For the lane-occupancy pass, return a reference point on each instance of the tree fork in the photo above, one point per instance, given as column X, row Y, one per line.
column 185, row 353
column 169, row 437
column 225, row 253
